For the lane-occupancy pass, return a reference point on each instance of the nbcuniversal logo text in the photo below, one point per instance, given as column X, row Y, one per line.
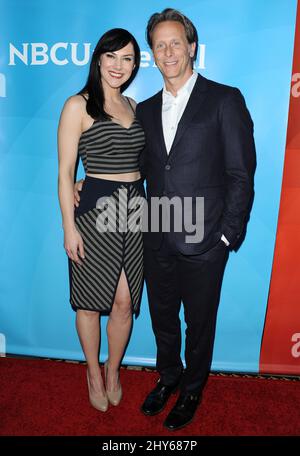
column 62, row 53
column 2, row 85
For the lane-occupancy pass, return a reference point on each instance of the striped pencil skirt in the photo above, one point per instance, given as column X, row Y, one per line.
column 109, row 221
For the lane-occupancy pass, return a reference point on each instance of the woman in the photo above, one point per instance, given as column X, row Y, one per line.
column 105, row 268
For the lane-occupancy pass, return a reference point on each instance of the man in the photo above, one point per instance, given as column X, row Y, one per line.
column 199, row 143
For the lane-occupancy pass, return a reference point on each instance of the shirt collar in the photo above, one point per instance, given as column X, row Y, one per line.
column 186, row 89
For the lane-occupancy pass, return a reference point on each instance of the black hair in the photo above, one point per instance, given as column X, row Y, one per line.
column 113, row 40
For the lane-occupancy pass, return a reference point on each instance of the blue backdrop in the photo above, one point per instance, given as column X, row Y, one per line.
column 44, row 56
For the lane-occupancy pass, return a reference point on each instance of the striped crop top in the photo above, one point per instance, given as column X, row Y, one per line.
column 109, row 148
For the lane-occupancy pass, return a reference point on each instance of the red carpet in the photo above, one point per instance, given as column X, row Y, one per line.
column 44, row 397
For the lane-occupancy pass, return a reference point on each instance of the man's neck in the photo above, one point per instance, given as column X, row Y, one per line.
column 175, row 84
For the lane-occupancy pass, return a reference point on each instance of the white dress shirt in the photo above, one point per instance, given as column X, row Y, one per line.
column 172, row 110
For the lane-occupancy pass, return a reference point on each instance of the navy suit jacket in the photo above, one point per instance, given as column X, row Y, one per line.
column 213, row 155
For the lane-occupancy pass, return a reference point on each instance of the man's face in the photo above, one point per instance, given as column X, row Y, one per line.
column 171, row 50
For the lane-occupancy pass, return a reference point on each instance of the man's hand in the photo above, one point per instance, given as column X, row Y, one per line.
column 77, row 188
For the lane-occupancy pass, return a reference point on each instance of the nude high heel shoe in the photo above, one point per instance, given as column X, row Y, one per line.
column 97, row 401
column 114, row 397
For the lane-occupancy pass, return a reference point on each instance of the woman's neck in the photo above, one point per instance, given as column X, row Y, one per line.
column 112, row 95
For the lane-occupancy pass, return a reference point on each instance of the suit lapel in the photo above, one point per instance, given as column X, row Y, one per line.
column 196, row 98
column 157, row 122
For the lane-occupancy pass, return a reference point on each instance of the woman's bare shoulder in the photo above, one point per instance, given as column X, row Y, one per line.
column 75, row 104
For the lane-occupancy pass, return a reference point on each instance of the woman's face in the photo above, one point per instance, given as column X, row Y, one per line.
column 116, row 66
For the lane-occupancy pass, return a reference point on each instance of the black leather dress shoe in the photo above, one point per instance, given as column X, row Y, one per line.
column 157, row 399
column 183, row 411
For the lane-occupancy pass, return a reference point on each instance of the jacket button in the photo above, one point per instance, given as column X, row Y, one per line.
column 167, row 167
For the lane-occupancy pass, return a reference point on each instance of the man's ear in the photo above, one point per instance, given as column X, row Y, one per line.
column 192, row 49
column 152, row 53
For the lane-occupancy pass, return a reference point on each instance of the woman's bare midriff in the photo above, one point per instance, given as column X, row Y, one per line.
column 124, row 177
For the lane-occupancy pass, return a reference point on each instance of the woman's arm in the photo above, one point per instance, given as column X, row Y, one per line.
column 69, row 131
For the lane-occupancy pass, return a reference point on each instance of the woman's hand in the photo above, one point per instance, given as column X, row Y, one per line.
column 77, row 188
column 73, row 245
